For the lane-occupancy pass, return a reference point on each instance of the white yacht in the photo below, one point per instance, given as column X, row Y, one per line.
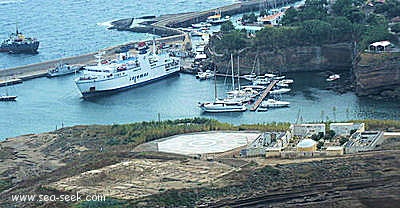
column 261, row 80
column 243, row 92
column 279, row 91
column 62, row 69
column 130, row 71
column 205, row 75
column 333, row 77
column 271, row 103
column 221, row 106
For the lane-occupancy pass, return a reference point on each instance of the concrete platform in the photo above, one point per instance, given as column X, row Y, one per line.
column 209, row 142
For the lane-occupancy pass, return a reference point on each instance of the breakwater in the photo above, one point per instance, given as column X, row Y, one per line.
column 166, row 25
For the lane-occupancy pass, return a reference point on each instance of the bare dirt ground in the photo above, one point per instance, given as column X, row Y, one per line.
column 142, row 177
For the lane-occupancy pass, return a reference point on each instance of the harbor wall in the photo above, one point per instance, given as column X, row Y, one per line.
column 378, row 75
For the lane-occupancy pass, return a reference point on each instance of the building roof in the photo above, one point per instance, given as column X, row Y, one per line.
column 381, row 43
column 334, row 148
column 306, row 143
column 271, row 17
column 311, row 124
column 341, row 124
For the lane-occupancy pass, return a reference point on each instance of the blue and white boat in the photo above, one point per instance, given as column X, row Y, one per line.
column 62, row 69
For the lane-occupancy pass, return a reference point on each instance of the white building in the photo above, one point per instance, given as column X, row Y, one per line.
column 379, row 46
column 344, row 129
column 307, row 130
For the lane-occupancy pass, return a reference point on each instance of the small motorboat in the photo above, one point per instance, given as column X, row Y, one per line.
column 279, row 91
column 287, row 81
column 333, row 77
column 8, row 98
column 205, row 75
column 271, row 103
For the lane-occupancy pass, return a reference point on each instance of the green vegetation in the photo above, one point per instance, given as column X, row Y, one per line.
column 4, row 184
column 137, row 133
column 395, row 28
column 391, row 8
column 109, row 203
column 265, row 127
column 371, row 124
column 312, row 25
column 249, row 18
column 343, row 140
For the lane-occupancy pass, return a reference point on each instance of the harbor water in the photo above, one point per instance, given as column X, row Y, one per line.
column 66, row 28
column 46, row 104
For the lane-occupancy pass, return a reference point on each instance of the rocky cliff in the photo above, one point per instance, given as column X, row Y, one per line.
column 328, row 57
column 378, row 75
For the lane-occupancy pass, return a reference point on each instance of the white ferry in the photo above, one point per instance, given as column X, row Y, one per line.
column 130, row 71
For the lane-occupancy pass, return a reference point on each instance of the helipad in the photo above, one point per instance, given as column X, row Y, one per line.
column 210, row 142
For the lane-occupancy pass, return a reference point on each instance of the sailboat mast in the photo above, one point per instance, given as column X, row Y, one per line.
column 238, row 67
column 233, row 78
column 215, row 82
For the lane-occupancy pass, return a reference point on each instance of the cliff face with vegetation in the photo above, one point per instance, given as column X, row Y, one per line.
column 378, row 75
column 294, row 59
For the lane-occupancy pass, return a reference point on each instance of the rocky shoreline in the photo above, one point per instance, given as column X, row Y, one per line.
column 377, row 75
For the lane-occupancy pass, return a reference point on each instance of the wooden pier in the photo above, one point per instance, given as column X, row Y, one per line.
column 263, row 95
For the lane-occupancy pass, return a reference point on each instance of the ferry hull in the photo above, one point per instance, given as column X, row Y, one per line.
column 88, row 94
column 20, row 48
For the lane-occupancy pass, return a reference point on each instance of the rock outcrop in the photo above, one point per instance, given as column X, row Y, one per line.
column 332, row 57
column 378, row 75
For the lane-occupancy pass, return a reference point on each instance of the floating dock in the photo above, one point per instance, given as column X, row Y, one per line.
column 263, row 95
column 10, row 82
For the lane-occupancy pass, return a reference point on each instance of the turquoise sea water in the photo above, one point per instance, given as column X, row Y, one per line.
column 75, row 27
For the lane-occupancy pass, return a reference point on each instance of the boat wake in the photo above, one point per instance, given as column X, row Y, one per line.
column 105, row 24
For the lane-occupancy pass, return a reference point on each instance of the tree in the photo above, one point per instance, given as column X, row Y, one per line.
column 320, row 145
column 315, row 31
column 313, row 10
column 315, row 137
column 263, row 13
column 342, row 29
column 250, row 18
column 395, row 28
column 342, row 7
column 233, row 40
column 290, row 16
column 227, row 27
column 343, row 140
